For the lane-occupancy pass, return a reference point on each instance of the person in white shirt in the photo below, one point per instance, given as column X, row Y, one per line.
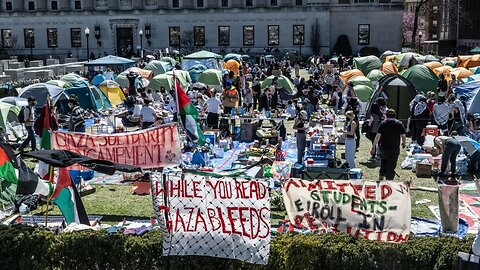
column 137, row 109
column 147, row 115
column 291, row 110
column 109, row 75
column 213, row 104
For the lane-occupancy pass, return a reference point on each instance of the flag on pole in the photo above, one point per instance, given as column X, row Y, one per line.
column 189, row 115
column 43, row 169
column 66, row 197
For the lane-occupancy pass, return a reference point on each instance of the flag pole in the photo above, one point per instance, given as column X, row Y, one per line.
column 176, row 100
column 48, row 198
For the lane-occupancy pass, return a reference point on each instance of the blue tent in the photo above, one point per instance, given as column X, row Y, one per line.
column 470, row 92
column 111, row 61
column 195, row 71
column 472, row 78
column 89, row 96
column 97, row 80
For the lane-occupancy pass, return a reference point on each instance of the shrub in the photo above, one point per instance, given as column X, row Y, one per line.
column 24, row 247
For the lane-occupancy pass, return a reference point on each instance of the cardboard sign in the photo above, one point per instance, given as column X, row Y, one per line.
column 149, row 148
column 376, row 211
column 219, row 217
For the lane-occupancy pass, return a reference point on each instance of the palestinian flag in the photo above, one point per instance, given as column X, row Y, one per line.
column 189, row 115
column 44, row 170
column 16, row 172
column 66, row 197
column 8, row 181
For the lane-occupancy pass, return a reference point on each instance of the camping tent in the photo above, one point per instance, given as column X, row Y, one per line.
column 461, row 73
column 234, row 56
column 406, row 60
column 433, row 65
column 232, row 65
column 364, row 92
column 468, row 61
column 475, row 77
column 470, row 92
column 122, row 80
column 111, row 61
column 211, row 77
column 248, row 59
column 475, row 50
column 442, row 70
column 423, row 78
column 389, row 68
column 98, row 79
column 350, row 74
column 385, row 54
column 170, row 60
column 9, row 119
column 40, row 90
column 426, row 59
column 367, row 63
column 58, row 83
column 15, row 101
column 158, row 67
column 205, row 58
column 361, row 80
column 195, row 71
column 282, row 82
column 113, row 92
column 72, row 77
column 375, row 75
column 475, row 70
column 89, row 97
column 182, row 76
column 162, row 80
column 398, row 92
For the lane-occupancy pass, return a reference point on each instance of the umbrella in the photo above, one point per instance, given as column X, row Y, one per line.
column 72, row 77
column 470, row 145
column 162, row 80
column 375, row 75
column 282, row 81
column 211, row 77
column 59, row 83
column 97, row 80
column 15, row 101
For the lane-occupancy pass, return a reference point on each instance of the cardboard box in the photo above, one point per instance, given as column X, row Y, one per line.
column 424, row 170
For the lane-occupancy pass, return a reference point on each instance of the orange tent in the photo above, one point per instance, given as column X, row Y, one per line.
column 389, row 68
column 232, row 65
column 442, row 70
column 390, row 58
column 346, row 76
column 461, row 73
column 468, row 61
column 433, row 65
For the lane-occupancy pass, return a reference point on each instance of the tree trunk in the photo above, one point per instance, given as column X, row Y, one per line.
column 418, row 7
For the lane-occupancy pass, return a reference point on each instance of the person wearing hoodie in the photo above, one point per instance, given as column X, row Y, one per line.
column 421, row 116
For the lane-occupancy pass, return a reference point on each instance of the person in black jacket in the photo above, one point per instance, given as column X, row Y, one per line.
column 420, row 117
column 77, row 115
column 266, row 101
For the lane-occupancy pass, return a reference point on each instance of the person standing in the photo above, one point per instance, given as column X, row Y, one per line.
column 421, row 116
column 441, row 114
column 230, row 99
column 442, row 85
column 266, row 101
column 299, row 126
column 389, row 134
column 29, row 120
column 132, row 78
column 213, row 104
column 147, row 114
column 378, row 114
column 77, row 115
column 449, row 148
column 350, row 143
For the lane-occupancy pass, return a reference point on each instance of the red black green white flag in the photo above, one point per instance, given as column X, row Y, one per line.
column 189, row 116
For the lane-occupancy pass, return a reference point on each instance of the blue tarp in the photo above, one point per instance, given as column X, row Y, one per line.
column 470, row 92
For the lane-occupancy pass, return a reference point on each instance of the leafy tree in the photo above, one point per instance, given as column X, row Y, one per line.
column 315, row 37
column 342, row 46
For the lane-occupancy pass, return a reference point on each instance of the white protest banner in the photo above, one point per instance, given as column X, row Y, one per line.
column 219, row 217
column 149, row 148
column 379, row 211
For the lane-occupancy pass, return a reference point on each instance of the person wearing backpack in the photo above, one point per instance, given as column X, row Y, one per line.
column 28, row 117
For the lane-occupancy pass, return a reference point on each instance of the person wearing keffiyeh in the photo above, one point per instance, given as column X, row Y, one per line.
column 420, row 118
column 441, row 113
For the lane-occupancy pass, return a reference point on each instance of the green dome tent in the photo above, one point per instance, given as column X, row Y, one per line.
column 72, row 78
column 230, row 56
column 158, row 67
column 367, row 63
column 211, row 77
column 89, row 96
column 375, row 75
column 423, row 78
column 162, row 80
column 170, row 60
column 282, row 81
column 364, row 93
column 182, row 76
column 361, row 80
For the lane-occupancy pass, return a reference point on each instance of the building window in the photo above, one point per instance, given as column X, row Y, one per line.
column 8, row 6
column 29, row 38
column 31, row 5
column 273, row 3
column 175, row 3
column 52, row 37
column 273, row 35
column 224, row 36
column 200, row 3
column 174, row 36
column 434, row 36
column 54, row 5
column 434, row 23
column 199, row 35
column 344, row 1
column 435, row 9
column 249, row 3
column 224, row 3
column 78, row 5
column 7, row 40
column 299, row 34
column 299, row 2
column 248, row 35
column 76, row 37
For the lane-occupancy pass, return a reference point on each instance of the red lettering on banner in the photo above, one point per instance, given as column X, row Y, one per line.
column 178, row 220
column 341, row 186
column 369, row 192
column 386, row 191
column 198, row 220
column 330, row 185
column 211, row 213
column 220, row 216
column 242, row 220
column 232, row 219
column 196, row 189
